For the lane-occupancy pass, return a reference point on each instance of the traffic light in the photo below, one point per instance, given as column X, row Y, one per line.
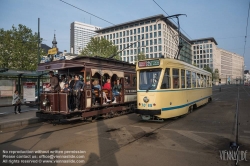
column 219, row 81
column 3, row 70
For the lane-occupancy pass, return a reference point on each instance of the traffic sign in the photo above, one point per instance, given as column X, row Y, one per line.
column 53, row 51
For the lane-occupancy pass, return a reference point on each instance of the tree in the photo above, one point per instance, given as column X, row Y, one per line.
column 207, row 68
column 215, row 74
column 18, row 48
column 141, row 56
column 100, row 47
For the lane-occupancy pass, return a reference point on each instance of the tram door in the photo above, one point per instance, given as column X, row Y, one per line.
column 88, row 90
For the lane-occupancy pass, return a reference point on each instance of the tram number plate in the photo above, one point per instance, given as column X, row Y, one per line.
column 149, row 105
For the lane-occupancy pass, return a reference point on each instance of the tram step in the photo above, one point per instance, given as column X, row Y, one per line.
column 72, row 119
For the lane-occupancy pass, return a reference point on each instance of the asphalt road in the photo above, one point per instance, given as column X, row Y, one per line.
column 196, row 139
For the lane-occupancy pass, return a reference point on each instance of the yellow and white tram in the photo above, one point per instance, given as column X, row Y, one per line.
column 169, row 88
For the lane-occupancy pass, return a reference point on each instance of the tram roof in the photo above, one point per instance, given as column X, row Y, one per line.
column 167, row 60
column 79, row 61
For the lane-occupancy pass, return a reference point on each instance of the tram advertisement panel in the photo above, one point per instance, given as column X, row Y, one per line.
column 29, row 91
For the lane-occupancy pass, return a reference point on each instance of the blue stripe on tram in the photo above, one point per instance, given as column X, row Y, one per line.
column 184, row 105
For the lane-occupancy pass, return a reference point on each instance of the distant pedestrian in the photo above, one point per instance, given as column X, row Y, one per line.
column 16, row 102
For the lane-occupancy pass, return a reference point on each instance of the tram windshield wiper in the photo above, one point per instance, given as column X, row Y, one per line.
column 149, row 87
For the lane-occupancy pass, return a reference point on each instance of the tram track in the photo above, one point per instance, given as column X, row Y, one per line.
column 62, row 128
column 52, row 130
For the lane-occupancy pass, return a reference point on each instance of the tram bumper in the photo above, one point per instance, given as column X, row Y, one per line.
column 149, row 115
column 48, row 116
column 148, row 112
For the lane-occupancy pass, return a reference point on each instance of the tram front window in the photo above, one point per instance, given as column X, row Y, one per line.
column 148, row 79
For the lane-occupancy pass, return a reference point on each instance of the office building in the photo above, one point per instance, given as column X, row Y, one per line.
column 153, row 36
column 80, row 35
column 229, row 65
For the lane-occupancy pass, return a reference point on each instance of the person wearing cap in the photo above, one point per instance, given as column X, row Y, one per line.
column 54, row 82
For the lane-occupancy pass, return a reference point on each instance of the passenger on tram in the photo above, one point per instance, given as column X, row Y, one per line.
column 70, row 81
column 106, row 86
column 77, row 88
column 116, row 90
column 93, row 92
column 54, row 82
column 66, row 89
column 62, row 81
column 71, row 97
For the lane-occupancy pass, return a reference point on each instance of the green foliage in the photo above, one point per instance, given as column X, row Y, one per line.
column 141, row 56
column 194, row 64
column 207, row 68
column 18, row 48
column 215, row 74
column 100, row 47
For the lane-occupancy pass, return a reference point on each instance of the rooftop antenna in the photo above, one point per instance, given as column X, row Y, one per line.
column 180, row 45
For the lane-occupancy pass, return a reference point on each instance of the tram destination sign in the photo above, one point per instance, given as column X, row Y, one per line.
column 149, row 63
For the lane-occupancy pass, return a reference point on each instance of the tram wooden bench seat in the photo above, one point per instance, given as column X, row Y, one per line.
column 97, row 93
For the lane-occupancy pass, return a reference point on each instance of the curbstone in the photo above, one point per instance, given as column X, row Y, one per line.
column 18, row 123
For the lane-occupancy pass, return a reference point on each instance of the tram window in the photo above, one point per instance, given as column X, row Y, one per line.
column 208, row 85
column 188, row 77
column 198, row 80
column 126, row 79
column 193, row 80
column 134, row 80
column 166, row 79
column 201, row 81
column 182, row 78
column 205, row 81
column 149, row 78
column 175, row 75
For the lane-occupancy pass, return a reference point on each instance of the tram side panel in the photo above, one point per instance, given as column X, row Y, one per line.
column 54, row 102
column 172, row 103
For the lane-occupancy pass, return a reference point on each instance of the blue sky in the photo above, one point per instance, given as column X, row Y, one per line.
column 225, row 20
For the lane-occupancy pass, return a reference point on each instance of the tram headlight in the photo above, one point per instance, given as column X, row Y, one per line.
column 145, row 99
column 45, row 102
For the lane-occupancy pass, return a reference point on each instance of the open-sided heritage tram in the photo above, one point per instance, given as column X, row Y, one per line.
column 93, row 72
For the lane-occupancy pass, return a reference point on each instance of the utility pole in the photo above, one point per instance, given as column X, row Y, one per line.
column 180, row 45
column 38, row 43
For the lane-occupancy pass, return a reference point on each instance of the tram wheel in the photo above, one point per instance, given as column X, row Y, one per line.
column 191, row 108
